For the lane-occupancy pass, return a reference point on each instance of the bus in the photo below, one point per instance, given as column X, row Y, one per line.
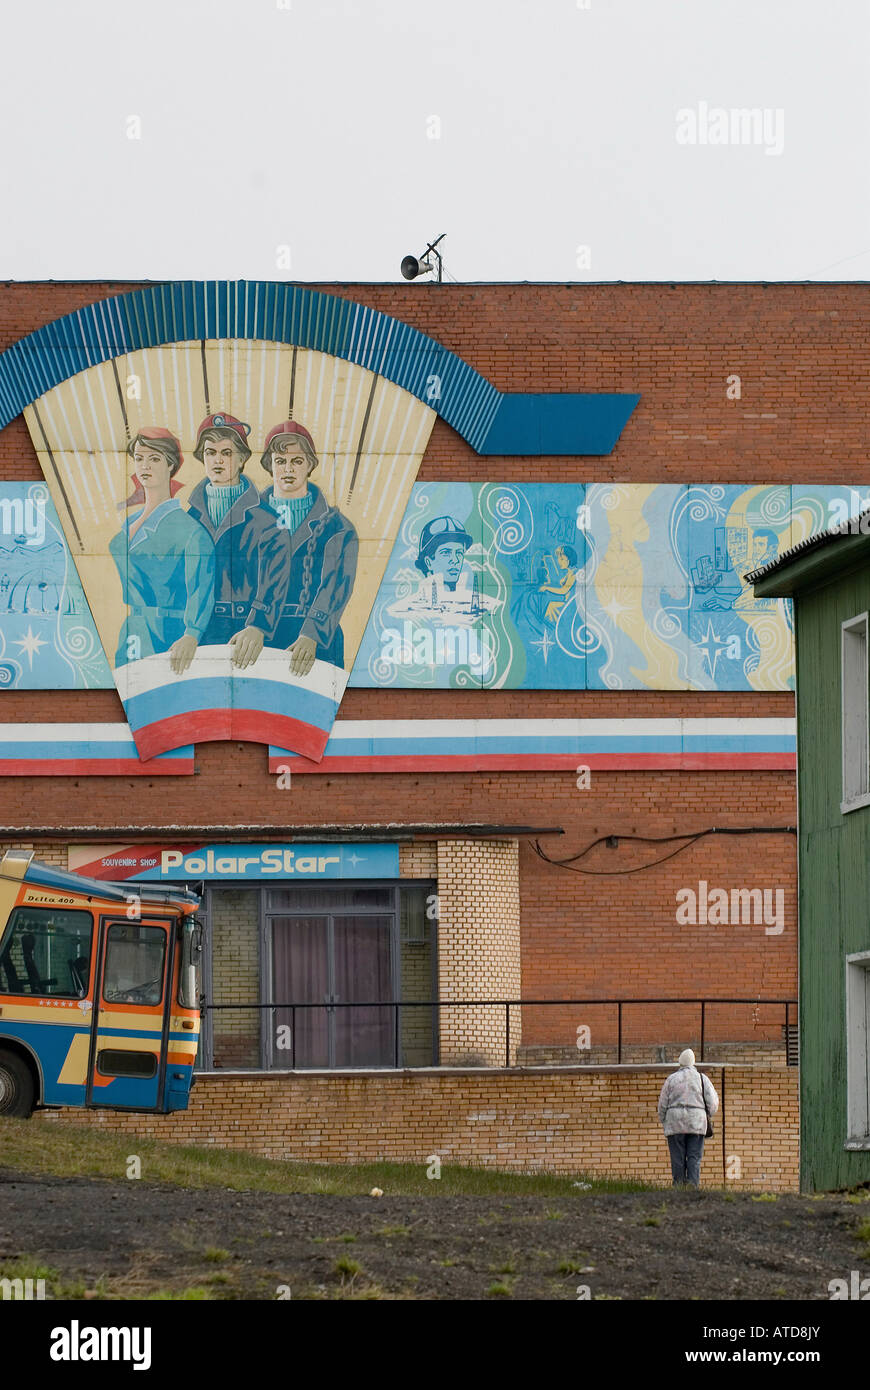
column 99, row 991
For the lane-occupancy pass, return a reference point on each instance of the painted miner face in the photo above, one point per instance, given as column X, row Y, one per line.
column 290, row 470
column 223, row 462
column 447, row 561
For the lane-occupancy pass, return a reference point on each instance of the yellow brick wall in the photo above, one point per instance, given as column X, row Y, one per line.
column 555, row 1121
column 52, row 852
column 417, row 983
column 478, row 947
column 763, row 1054
column 418, row 860
column 235, row 976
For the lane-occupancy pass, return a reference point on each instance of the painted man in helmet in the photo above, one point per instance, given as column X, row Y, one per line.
column 323, row 549
column 252, row 552
column 449, row 588
column 441, row 552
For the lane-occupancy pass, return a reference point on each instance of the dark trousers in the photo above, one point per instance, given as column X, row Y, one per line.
column 686, row 1153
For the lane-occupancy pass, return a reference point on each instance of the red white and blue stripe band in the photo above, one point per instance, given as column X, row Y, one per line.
column 433, row 745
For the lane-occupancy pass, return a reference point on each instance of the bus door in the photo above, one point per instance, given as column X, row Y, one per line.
column 129, row 1043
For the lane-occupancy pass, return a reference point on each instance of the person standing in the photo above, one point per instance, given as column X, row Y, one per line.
column 687, row 1099
column 252, row 552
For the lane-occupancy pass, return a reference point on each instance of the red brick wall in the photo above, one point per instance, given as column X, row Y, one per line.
column 800, row 352
column 542, row 1121
column 582, row 936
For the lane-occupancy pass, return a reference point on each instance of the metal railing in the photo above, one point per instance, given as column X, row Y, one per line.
column 397, row 1005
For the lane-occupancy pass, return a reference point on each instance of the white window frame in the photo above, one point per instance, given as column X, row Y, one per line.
column 858, row 1050
column 855, row 714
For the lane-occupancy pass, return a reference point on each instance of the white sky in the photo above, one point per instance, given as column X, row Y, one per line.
column 308, row 127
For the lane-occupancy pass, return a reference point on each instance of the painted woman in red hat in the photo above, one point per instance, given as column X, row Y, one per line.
column 323, row 546
column 165, row 559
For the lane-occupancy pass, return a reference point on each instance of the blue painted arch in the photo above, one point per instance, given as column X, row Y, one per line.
column 492, row 421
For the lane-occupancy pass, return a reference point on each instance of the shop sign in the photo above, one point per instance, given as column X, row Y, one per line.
column 170, row 863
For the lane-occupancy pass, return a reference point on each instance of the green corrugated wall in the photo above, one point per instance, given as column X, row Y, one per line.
column 834, row 901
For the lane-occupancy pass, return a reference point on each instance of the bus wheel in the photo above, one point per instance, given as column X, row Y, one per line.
column 16, row 1087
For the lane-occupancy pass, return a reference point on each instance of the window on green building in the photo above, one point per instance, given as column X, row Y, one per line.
column 858, row 1048
column 854, row 686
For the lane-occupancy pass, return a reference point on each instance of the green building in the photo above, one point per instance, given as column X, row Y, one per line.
column 828, row 577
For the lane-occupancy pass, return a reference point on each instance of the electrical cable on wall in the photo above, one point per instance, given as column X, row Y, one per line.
column 690, row 838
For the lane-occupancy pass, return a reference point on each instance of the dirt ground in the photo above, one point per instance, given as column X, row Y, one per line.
column 131, row 1238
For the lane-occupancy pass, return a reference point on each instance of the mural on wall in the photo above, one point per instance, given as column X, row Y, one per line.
column 590, row 586
column 47, row 636
column 228, row 606
column 230, row 507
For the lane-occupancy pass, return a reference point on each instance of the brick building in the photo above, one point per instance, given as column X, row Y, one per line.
column 739, row 386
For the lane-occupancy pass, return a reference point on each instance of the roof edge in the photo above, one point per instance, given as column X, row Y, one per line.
column 814, row 559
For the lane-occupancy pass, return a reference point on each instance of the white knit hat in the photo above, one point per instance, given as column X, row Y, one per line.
column 687, row 1058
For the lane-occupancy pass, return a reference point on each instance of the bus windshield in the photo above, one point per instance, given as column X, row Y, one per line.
column 190, row 976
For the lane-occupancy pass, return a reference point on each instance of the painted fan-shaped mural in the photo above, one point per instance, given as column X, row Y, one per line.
column 230, row 506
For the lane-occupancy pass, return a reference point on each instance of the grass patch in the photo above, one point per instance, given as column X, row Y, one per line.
column 765, row 1197
column 214, row 1255
column 46, row 1145
column 134, row 1285
column 502, row 1289
column 24, row 1268
column 178, row 1296
column 863, row 1234
column 612, row 1182
column 353, row 1293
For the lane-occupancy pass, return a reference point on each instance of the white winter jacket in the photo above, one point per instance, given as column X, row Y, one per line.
column 681, row 1105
